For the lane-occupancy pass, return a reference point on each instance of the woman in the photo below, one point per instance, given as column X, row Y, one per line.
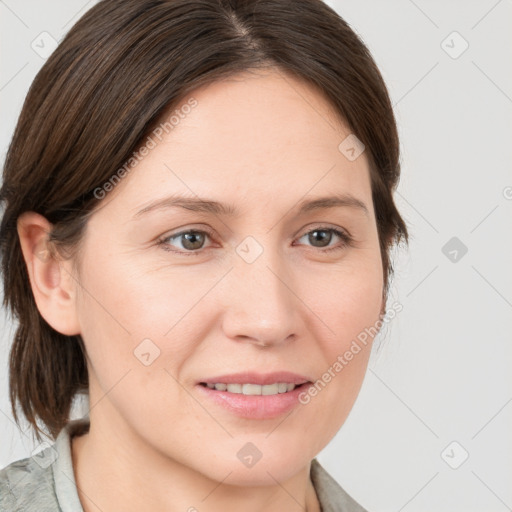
column 198, row 214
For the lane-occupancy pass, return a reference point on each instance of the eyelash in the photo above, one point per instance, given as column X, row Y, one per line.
column 346, row 240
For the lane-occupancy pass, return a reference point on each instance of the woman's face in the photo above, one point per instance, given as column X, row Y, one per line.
column 262, row 285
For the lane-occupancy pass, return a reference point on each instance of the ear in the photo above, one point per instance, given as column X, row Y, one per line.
column 51, row 279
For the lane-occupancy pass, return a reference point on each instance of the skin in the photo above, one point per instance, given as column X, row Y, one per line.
column 261, row 142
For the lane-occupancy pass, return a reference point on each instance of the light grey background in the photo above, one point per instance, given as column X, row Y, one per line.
column 443, row 373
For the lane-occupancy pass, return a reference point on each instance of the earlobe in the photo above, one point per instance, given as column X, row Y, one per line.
column 51, row 281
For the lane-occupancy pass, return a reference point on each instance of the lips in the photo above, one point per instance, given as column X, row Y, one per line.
column 253, row 395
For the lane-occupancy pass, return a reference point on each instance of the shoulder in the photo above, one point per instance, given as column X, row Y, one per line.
column 27, row 484
column 331, row 496
column 44, row 482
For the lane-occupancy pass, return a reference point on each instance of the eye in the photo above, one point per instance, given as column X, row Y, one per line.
column 189, row 242
column 321, row 237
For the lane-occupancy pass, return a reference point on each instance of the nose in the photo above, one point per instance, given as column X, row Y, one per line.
column 260, row 305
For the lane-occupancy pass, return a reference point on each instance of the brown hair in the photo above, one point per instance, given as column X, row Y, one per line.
column 122, row 65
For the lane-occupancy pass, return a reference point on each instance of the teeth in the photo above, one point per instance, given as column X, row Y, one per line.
column 235, row 388
column 251, row 389
column 254, row 389
column 270, row 389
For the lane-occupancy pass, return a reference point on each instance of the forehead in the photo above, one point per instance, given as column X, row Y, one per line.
column 259, row 116
column 257, row 136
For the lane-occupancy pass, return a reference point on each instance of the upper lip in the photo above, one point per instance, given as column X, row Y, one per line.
column 257, row 378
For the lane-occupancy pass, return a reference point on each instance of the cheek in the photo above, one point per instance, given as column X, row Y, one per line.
column 135, row 341
column 351, row 314
column 139, row 301
column 347, row 300
column 132, row 315
column 349, row 304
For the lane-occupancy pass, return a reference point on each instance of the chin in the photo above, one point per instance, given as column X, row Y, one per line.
column 258, row 462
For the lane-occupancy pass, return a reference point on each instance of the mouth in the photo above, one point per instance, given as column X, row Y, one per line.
column 255, row 396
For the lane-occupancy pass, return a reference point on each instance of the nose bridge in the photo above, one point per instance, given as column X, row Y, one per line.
column 261, row 306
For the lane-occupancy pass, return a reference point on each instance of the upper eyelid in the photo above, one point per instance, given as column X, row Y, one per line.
column 210, row 232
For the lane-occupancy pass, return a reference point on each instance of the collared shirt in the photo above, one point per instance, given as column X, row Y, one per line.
column 45, row 482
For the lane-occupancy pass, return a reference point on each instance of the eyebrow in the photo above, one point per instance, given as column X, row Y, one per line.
column 198, row 204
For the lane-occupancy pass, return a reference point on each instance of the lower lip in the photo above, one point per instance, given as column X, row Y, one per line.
column 255, row 407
